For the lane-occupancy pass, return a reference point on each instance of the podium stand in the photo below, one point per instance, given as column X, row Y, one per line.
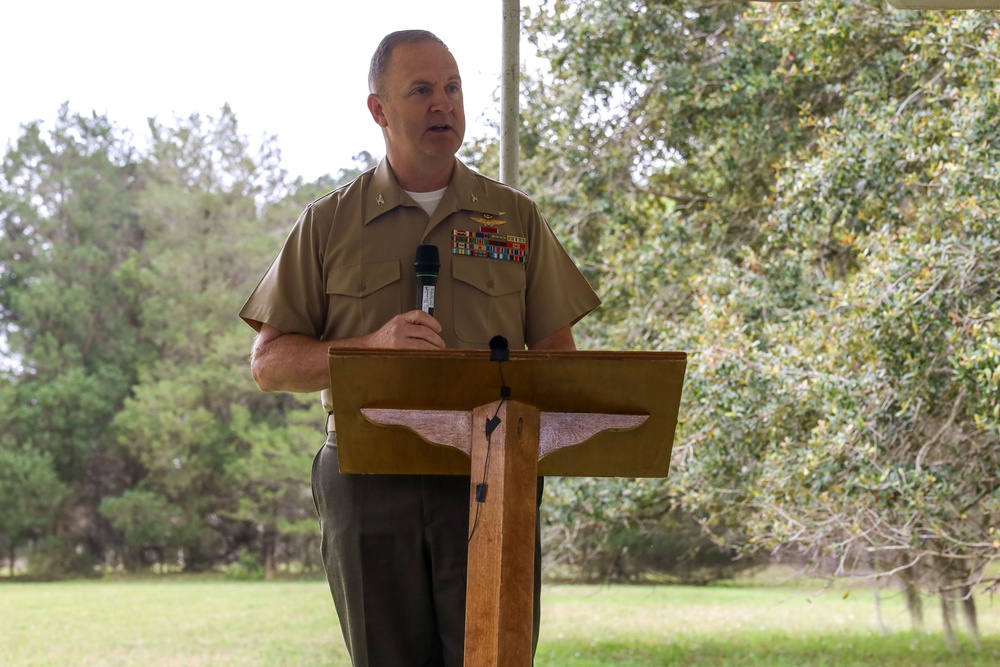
column 595, row 414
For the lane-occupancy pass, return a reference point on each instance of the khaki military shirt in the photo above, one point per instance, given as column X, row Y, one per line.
column 346, row 268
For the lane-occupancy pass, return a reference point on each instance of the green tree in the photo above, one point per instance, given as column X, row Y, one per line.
column 66, row 227
column 803, row 196
column 30, row 494
column 274, row 471
column 193, row 416
column 125, row 365
column 145, row 520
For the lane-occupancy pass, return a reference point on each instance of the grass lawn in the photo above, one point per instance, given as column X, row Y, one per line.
column 201, row 622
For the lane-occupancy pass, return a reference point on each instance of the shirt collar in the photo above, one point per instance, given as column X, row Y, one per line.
column 384, row 193
column 464, row 193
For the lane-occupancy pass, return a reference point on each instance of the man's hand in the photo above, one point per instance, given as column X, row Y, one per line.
column 415, row 330
column 293, row 362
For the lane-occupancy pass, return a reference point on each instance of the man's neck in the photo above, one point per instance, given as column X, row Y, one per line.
column 415, row 179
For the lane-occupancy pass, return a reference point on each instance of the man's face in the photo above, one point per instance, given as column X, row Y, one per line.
column 420, row 106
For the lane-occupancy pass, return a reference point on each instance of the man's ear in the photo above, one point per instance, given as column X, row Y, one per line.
column 375, row 109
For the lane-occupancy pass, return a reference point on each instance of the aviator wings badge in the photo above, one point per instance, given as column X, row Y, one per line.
column 490, row 220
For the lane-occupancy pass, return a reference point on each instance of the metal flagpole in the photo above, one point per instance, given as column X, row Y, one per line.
column 510, row 88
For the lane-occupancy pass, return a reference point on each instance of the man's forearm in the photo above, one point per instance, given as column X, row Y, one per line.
column 294, row 362
column 299, row 363
column 290, row 362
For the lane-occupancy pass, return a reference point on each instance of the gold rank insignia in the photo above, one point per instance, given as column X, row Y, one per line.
column 490, row 220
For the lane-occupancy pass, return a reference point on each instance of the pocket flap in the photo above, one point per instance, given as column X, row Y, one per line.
column 362, row 279
column 492, row 277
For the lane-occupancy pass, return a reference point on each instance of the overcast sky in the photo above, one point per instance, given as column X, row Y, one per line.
column 290, row 68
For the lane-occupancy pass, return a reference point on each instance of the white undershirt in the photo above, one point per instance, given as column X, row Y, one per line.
column 428, row 200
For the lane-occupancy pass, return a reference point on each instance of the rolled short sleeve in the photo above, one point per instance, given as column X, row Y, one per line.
column 557, row 294
column 291, row 294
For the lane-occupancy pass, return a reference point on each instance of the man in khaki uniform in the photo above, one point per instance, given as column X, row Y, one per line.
column 395, row 547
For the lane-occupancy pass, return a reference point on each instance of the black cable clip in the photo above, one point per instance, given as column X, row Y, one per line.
column 491, row 425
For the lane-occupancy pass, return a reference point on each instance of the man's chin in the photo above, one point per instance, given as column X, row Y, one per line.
column 444, row 144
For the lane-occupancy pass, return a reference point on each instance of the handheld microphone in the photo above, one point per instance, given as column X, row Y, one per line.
column 426, row 264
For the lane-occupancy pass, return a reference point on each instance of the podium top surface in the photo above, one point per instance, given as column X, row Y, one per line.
column 628, row 383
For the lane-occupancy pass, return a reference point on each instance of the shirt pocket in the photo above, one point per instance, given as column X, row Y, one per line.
column 488, row 300
column 363, row 296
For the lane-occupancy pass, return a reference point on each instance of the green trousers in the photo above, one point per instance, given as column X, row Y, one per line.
column 395, row 550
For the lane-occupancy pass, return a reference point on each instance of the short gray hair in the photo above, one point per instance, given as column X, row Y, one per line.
column 382, row 55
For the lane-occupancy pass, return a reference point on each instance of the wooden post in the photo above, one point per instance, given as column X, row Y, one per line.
column 499, row 597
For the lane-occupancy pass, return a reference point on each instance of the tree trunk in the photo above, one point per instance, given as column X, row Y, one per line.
column 131, row 558
column 914, row 603
column 269, row 545
column 969, row 613
column 948, row 617
column 878, row 613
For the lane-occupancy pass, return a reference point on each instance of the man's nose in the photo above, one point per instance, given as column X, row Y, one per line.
column 441, row 101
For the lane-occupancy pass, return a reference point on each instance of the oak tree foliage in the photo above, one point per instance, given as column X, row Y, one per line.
column 805, row 197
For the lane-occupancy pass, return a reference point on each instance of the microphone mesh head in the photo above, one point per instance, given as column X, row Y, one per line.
column 428, row 260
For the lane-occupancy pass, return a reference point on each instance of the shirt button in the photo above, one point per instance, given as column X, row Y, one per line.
column 361, row 287
column 490, row 284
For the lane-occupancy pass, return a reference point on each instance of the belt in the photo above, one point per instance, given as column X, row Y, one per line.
column 331, row 425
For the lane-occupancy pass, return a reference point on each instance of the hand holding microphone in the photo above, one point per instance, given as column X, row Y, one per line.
column 412, row 330
column 417, row 328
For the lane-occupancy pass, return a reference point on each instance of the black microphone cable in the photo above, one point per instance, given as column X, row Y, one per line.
column 499, row 353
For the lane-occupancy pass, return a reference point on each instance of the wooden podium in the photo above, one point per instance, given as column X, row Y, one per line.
column 595, row 414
